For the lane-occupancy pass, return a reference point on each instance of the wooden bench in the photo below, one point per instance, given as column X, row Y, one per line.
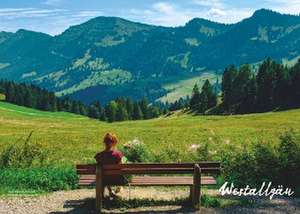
column 93, row 174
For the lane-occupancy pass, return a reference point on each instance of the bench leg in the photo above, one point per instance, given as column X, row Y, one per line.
column 191, row 193
column 196, row 187
column 99, row 189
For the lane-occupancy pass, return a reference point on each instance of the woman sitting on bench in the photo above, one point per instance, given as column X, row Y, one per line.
column 111, row 156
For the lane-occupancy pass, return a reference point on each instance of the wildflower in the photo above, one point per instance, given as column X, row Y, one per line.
column 194, row 147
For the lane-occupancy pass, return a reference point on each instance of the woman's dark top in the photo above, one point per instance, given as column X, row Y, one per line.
column 110, row 157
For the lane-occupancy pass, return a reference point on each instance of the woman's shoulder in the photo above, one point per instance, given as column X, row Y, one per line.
column 117, row 153
column 99, row 155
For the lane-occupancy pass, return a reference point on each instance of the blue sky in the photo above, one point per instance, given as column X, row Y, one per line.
column 54, row 16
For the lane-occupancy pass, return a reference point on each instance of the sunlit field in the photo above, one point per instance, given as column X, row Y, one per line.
column 73, row 139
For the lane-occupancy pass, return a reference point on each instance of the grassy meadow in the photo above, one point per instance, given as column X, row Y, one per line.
column 71, row 139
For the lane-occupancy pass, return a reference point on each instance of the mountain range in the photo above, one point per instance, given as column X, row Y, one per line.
column 108, row 57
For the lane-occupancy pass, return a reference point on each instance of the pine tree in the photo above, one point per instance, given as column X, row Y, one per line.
column 295, row 85
column 45, row 104
column 110, row 111
column 229, row 76
column 240, row 89
column 29, row 100
column 154, row 111
column 82, row 109
column 75, row 107
column 10, row 93
column 280, row 86
column 248, row 102
column 195, row 100
column 53, row 102
column 208, row 97
column 129, row 108
column 137, row 113
column 93, row 112
column 121, row 113
column 265, row 86
column 144, row 108
column 103, row 115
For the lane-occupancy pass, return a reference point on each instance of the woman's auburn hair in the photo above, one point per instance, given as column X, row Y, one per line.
column 110, row 138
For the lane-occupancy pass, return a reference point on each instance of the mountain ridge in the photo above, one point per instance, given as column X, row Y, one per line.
column 107, row 57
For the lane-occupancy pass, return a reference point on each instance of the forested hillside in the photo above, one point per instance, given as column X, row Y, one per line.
column 116, row 110
column 273, row 87
column 109, row 57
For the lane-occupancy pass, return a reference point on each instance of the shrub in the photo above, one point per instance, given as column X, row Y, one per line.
column 264, row 162
column 23, row 155
column 239, row 168
column 209, row 201
column 169, row 154
column 202, row 152
column 172, row 154
column 136, row 151
column 289, row 158
column 45, row 179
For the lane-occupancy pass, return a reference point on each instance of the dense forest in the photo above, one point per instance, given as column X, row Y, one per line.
column 272, row 86
column 117, row 110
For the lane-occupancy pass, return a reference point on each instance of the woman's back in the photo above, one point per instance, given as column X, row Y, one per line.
column 109, row 157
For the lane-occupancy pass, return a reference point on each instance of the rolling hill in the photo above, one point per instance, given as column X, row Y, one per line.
column 108, row 57
column 71, row 138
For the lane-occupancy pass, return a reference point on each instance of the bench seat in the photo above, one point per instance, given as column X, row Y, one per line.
column 90, row 180
column 145, row 174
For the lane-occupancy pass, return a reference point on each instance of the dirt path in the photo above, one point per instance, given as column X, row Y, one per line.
column 82, row 202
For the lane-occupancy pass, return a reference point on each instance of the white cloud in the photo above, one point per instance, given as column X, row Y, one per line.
column 53, row 2
column 51, row 21
column 167, row 14
column 210, row 3
column 7, row 10
column 215, row 12
column 88, row 13
column 14, row 13
column 285, row 6
column 233, row 15
column 161, row 13
column 164, row 7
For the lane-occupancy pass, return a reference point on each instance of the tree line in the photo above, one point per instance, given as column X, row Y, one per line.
column 200, row 102
column 243, row 90
column 272, row 86
column 119, row 109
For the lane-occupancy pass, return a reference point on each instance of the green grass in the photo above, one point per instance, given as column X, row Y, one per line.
column 37, row 179
column 73, row 139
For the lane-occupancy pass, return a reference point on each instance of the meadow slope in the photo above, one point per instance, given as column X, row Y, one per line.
column 71, row 138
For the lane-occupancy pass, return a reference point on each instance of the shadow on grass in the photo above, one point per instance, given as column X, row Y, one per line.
column 128, row 206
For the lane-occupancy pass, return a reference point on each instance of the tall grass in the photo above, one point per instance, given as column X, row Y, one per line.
column 41, row 179
column 24, row 166
column 263, row 162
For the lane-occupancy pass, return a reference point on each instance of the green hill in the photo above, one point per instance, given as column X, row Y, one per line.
column 71, row 138
column 108, row 57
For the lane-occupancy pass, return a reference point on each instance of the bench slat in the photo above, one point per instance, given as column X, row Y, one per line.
column 162, row 165
column 150, row 165
column 146, row 170
column 154, row 181
column 126, row 171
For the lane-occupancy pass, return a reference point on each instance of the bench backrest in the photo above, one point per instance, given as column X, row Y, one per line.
column 149, row 168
